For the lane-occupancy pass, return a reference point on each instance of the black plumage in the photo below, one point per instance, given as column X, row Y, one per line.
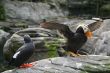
column 23, row 53
column 75, row 40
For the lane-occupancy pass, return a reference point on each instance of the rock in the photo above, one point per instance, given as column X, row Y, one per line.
column 103, row 37
column 3, row 37
column 13, row 26
column 82, row 64
column 103, row 44
column 5, row 26
column 45, row 41
column 30, row 11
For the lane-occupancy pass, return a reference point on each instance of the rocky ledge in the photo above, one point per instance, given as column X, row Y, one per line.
column 82, row 64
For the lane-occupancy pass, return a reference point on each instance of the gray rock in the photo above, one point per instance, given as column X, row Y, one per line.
column 30, row 11
column 13, row 26
column 82, row 64
column 41, row 38
column 3, row 37
column 102, row 44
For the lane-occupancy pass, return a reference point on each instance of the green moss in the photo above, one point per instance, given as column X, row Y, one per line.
column 53, row 52
column 107, row 65
column 4, row 67
column 2, row 13
column 96, row 69
column 9, row 53
column 15, row 46
column 52, row 47
column 95, row 72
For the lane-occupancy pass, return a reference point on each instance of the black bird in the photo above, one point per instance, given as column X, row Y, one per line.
column 23, row 53
column 75, row 40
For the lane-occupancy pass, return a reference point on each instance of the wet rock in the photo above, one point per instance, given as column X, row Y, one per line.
column 42, row 39
column 82, row 64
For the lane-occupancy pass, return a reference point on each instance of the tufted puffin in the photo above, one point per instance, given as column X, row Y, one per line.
column 75, row 40
column 23, row 54
column 78, row 39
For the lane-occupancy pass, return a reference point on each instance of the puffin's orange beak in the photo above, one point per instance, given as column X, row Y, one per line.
column 89, row 34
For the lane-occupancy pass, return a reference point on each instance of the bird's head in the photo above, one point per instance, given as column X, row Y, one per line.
column 27, row 39
column 82, row 28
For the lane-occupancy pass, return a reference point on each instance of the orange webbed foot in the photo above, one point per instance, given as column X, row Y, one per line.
column 26, row 65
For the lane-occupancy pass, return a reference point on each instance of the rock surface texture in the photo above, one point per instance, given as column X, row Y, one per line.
column 82, row 64
column 30, row 11
column 3, row 37
column 102, row 36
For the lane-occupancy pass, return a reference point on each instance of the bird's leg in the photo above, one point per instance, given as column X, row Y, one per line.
column 71, row 54
column 26, row 65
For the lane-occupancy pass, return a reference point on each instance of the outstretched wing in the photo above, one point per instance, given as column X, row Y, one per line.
column 63, row 29
column 95, row 25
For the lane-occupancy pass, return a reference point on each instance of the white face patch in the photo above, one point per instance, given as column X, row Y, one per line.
column 16, row 54
column 85, row 27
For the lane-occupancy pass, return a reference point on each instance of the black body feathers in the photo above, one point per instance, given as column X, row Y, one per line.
column 23, row 53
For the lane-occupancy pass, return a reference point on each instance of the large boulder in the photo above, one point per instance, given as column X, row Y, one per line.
column 45, row 41
column 31, row 11
column 82, row 64
column 103, row 37
column 3, row 37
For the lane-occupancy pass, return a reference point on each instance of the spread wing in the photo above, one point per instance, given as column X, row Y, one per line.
column 95, row 25
column 63, row 29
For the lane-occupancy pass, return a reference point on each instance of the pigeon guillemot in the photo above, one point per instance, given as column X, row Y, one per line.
column 23, row 53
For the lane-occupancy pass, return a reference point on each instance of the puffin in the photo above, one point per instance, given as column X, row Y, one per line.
column 74, row 40
column 23, row 54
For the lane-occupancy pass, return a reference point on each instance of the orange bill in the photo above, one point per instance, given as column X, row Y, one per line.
column 89, row 34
